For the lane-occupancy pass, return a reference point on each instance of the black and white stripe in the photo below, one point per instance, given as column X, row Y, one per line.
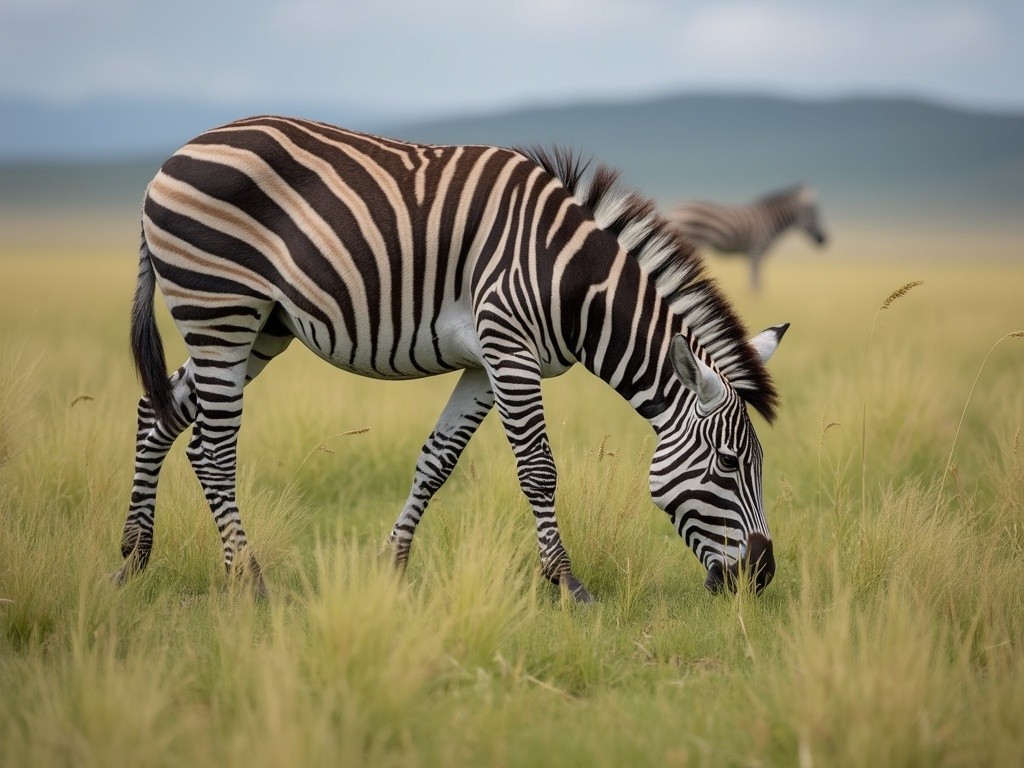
column 750, row 229
column 399, row 260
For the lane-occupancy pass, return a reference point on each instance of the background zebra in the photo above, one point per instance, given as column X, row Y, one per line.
column 750, row 229
column 397, row 260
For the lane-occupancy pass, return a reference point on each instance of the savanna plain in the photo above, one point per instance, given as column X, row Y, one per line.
column 893, row 633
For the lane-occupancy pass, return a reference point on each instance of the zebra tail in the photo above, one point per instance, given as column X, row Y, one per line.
column 147, row 347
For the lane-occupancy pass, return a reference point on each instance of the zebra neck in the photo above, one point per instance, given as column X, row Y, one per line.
column 781, row 212
column 623, row 337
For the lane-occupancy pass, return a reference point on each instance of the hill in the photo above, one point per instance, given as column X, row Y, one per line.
column 113, row 129
column 891, row 161
column 870, row 157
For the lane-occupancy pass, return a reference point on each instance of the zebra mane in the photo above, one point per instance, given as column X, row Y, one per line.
column 673, row 263
column 796, row 193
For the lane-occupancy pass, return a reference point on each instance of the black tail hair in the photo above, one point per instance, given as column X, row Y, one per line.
column 147, row 348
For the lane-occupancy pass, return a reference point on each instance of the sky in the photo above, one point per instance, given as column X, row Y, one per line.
column 414, row 57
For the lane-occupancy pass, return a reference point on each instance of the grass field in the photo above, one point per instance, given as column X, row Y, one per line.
column 893, row 633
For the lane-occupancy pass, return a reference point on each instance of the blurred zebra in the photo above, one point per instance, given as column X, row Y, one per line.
column 750, row 229
column 397, row 260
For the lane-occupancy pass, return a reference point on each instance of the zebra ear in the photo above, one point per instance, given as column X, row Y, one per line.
column 767, row 341
column 695, row 374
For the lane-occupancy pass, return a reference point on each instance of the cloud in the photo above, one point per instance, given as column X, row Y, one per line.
column 457, row 22
column 464, row 54
column 821, row 48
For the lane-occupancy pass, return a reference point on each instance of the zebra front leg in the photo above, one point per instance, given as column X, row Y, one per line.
column 755, row 270
column 515, row 381
column 470, row 402
column 152, row 442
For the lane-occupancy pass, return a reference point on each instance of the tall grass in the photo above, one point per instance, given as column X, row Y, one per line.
column 891, row 635
column 960, row 423
column 889, row 300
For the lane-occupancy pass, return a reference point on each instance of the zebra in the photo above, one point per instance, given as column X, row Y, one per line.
column 750, row 229
column 398, row 260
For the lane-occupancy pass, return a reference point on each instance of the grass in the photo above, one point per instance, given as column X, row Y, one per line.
column 892, row 634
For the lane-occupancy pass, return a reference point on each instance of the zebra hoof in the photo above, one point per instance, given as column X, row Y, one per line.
column 397, row 552
column 245, row 575
column 259, row 590
column 120, row 576
column 576, row 589
column 245, row 585
column 135, row 562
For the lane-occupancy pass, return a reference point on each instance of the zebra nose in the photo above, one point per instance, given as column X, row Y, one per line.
column 760, row 560
column 758, row 563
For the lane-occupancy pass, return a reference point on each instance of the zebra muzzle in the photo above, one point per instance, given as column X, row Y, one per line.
column 758, row 566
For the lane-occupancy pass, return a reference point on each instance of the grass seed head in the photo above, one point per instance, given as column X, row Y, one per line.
column 900, row 292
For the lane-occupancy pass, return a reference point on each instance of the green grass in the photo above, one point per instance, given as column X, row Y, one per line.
column 893, row 633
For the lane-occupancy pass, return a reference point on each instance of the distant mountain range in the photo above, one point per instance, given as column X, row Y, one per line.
column 879, row 159
column 113, row 129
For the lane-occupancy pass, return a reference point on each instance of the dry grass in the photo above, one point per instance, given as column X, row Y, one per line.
column 892, row 634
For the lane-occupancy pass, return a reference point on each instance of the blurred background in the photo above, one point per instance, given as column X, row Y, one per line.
column 908, row 118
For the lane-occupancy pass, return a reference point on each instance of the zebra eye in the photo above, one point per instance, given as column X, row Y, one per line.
column 728, row 462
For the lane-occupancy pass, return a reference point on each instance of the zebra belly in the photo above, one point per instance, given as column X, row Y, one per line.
column 549, row 370
column 449, row 343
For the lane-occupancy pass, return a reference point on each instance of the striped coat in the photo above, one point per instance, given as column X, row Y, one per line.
column 398, row 260
column 750, row 229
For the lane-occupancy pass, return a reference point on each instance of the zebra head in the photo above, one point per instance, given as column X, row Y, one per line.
column 807, row 215
column 706, row 470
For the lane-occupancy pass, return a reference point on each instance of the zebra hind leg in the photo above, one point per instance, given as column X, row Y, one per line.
column 152, row 442
column 212, row 453
column 221, row 373
column 470, row 402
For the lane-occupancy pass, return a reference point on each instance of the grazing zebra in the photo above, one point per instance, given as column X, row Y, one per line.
column 397, row 260
column 750, row 229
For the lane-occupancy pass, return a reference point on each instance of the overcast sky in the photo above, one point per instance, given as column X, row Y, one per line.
column 416, row 56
